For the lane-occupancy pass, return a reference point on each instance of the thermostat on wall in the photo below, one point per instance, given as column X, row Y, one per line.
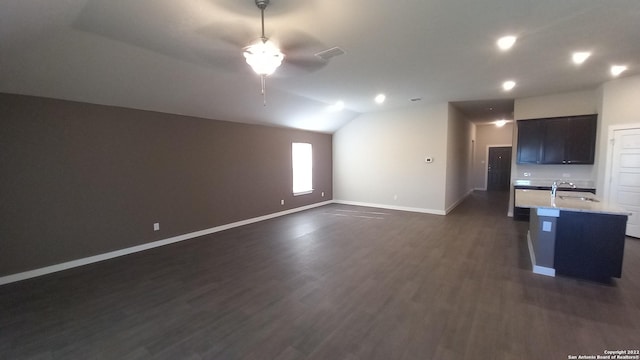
column 428, row 159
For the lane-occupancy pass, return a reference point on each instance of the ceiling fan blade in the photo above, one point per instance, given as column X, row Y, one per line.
column 297, row 42
column 297, row 66
column 236, row 34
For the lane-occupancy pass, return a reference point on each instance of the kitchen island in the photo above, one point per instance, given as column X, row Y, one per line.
column 574, row 234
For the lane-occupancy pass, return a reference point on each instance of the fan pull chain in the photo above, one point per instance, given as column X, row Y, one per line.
column 264, row 91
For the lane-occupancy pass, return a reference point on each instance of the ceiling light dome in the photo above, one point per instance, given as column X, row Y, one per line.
column 506, row 42
column 508, row 85
column 618, row 69
column 264, row 57
column 579, row 57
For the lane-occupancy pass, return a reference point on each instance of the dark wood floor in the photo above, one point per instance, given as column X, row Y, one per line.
column 336, row 282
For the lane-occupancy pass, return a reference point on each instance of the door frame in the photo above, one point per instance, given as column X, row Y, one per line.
column 486, row 163
column 609, row 157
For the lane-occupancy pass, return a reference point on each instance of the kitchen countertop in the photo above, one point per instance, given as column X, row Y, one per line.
column 542, row 199
column 585, row 184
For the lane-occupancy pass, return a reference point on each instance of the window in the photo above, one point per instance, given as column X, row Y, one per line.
column 302, row 164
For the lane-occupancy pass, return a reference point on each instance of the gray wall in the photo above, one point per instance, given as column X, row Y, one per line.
column 379, row 159
column 77, row 180
column 460, row 133
column 486, row 136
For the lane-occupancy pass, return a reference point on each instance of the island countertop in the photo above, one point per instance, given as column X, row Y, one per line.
column 565, row 200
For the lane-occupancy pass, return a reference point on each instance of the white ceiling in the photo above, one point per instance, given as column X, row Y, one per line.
column 185, row 57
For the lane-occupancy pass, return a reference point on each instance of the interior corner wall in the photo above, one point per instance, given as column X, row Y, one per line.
column 379, row 159
column 78, row 180
column 459, row 147
column 619, row 106
column 487, row 135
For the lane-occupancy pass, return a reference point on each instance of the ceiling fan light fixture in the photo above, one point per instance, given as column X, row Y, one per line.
column 264, row 57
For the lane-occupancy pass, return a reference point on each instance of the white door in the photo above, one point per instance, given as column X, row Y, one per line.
column 625, row 176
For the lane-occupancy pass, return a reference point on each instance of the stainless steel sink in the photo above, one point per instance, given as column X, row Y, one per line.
column 583, row 198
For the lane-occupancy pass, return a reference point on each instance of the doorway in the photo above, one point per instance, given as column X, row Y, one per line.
column 498, row 168
column 624, row 175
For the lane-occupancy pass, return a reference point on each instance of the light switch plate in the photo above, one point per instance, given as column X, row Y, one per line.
column 546, row 226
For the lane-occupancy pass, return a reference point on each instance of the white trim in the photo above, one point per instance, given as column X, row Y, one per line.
column 113, row 254
column 305, row 192
column 541, row 270
column 392, row 207
column 609, row 157
column 450, row 208
column 486, row 164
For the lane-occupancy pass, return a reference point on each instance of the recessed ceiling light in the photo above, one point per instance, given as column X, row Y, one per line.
column 380, row 98
column 338, row 106
column 500, row 123
column 580, row 56
column 618, row 69
column 506, row 42
column 508, row 85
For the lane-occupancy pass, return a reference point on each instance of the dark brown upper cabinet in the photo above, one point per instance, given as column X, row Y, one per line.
column 560, row 140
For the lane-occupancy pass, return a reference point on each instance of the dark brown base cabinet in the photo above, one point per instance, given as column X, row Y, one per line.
column 589, row 245
column 568, row 140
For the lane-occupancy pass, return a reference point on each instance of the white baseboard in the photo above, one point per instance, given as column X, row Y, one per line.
column 391, row 207
column 450, row 208
column 542, row 270
column 113, row 254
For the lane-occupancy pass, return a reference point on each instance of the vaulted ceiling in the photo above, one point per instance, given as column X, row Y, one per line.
column 185, row 57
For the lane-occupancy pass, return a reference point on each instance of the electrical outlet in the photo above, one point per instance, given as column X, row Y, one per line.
column 156, row 226
column 323, row 194
column 282, row 202
column 395, row 197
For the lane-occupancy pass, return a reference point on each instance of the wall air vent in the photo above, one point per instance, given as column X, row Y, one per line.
column 329, row 53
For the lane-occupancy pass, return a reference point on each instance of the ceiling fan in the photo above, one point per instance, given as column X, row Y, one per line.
column 263, row 56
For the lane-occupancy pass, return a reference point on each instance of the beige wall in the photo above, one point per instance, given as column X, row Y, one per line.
column 379, row 159
column 460, row 133
column 487, row 135
column 620, row 106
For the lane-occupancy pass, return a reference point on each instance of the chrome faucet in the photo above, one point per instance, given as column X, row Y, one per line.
column 554, row 187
